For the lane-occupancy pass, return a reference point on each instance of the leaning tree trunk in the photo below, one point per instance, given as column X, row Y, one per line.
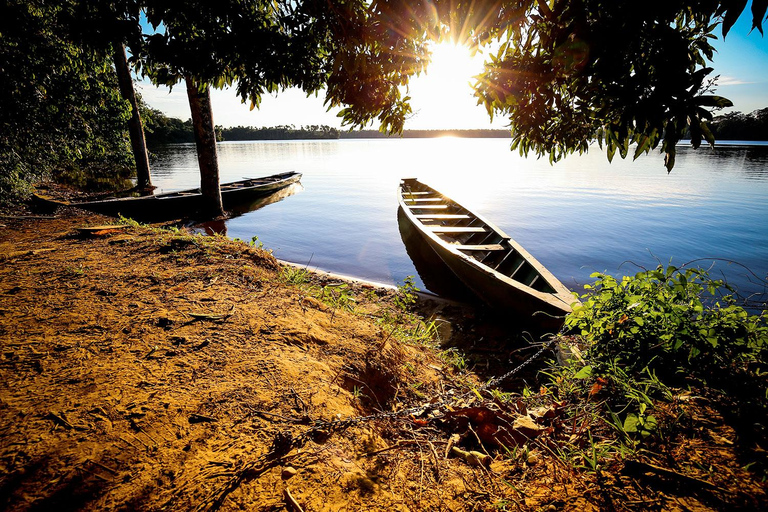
column 205, row 140
column 135, row 128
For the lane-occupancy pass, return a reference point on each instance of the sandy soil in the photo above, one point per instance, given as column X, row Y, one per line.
column 155, row 370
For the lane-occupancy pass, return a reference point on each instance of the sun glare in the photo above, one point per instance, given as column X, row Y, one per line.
column 443, row 96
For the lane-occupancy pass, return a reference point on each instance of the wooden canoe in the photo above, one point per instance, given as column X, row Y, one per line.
column 184, row 203
column 489, row 262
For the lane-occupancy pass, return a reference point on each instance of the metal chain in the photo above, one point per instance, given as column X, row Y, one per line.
column 345, row 423
column 498, row 380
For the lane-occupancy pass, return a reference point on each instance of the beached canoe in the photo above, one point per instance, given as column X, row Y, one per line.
column 489, row 262
column 184, row 203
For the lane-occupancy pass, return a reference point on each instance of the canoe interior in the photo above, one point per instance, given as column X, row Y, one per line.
column 232, row 187
column 459, row 227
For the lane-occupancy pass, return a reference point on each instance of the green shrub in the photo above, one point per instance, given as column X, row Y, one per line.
column 674, row 322
column 643, row 336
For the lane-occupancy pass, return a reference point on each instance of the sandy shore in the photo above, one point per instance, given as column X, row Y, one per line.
column 144, row 369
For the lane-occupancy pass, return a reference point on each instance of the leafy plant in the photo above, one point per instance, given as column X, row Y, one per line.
column 454, row 358
column 406, row 294
column 338, row 297
column 645, row 334
column 294, row 275
column 255, row 242
column 671, row 320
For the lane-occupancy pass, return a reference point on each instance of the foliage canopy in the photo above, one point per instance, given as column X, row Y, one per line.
column 61, row 112
column 562, row 72
column 567, row 72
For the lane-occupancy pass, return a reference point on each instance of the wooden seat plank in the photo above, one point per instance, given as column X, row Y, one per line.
column 441, row 216
column 486, row 247
column 427, row 206
column 451, row 229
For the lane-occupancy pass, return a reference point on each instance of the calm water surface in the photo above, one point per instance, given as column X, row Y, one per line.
column 579, row 216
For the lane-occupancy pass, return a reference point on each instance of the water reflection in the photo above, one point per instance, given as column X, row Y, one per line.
column 577, row 216
column 219, row 227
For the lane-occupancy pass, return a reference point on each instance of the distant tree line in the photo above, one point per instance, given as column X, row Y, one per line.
column 283, row 132
column 738, row 126
column 161, row 129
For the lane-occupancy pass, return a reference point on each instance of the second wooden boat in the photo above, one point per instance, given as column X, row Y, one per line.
column 488, row 261
column 184, row 203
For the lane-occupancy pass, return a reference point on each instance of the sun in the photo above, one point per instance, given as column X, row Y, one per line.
column 442, row 97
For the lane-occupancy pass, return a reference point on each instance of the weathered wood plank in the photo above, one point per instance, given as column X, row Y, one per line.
column 441, row 216
column 461, row 229
column 485, row 247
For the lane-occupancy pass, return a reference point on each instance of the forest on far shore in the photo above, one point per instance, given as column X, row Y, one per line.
column 161, row 129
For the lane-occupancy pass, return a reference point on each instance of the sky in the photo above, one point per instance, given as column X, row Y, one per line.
column 442, row 98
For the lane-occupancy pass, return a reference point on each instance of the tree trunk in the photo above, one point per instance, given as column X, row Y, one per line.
column 135, row 128
column 205, row 141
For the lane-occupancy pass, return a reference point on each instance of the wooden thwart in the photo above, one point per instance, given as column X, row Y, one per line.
column 487, row 247
column 441, row 216
column 462, row 229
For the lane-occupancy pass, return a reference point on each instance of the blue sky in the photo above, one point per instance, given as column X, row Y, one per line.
column 741, row 61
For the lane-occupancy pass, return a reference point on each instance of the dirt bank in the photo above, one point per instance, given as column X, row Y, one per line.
column 156, row 370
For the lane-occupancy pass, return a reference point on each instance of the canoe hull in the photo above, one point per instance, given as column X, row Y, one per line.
column 526, row 308
column 174, row 205
column 476, row 251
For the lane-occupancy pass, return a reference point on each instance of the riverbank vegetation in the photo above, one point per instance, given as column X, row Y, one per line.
column 738, row 126
column 61, row 116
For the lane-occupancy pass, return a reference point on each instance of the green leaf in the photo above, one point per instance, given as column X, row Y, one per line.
column 734, row 10
column 584, row 373
column 713, row 101
column 758, row 14
column 669, row 159
column 710, row 138
column 631, row 423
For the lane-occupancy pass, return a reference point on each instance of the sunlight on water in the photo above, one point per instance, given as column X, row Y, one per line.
column 578, row 216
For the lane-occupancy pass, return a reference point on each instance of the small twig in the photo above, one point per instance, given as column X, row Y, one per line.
column 397, row 445
column 642, row 467
column 300, row 421
column 296, row 395
column 19, row 254
column 128, row 442
column 199, row 418
column 22, row 217
column 421, row 471
column 291, row 501
column 102, row 466
column 83, row 468
column 482, row 446
column 62, row 421
column 206, row 316
column 437, row 461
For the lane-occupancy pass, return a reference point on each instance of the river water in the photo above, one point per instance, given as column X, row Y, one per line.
column 576, row 217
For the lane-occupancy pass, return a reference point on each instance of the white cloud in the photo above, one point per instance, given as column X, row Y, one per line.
column 729, row 80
